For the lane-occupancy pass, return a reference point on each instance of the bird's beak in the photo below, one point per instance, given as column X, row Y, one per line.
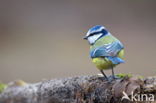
column 85, row 37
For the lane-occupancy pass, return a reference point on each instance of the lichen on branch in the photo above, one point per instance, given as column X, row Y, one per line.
column 81, row 89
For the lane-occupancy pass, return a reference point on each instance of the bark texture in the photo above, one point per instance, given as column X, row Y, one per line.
column 82, row 89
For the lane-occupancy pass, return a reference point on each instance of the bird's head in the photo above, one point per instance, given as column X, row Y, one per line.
column 95, row 33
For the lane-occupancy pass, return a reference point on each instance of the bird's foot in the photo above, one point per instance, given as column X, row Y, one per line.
column 109, row 79
column 113, row 77
column 105, row 79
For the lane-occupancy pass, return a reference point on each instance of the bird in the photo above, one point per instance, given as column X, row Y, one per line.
column 106, row 51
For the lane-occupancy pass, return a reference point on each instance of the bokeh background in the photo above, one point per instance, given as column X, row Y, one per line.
column 42, row 39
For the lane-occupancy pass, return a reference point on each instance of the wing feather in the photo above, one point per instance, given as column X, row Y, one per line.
column 106, row 50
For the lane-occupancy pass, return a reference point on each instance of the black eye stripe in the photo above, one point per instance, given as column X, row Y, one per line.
column 92, row 34
column 102, row 31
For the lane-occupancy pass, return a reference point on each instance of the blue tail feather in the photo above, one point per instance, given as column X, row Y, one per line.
column 116, row 60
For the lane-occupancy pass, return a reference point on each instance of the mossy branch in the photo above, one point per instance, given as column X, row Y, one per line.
column 82, row 89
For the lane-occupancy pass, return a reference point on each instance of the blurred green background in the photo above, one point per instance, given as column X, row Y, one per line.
column 43, row 38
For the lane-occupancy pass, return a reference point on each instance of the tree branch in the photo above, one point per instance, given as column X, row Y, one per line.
column 82, row 89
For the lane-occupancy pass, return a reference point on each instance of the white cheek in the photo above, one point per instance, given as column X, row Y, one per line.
column 92, row 39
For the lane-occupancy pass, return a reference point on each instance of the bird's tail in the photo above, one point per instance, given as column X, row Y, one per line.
column 116, row 60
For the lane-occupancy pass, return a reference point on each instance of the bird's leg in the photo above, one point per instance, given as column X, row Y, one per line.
column 113, row 72
column 104, row 74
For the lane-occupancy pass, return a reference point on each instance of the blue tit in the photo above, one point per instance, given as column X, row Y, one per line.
column 106, row 51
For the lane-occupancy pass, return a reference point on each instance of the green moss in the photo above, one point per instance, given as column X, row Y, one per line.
column 122, row 75
column 140, row 77
column 2, row 87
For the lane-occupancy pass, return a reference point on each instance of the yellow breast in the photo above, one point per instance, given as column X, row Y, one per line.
column 104, row 63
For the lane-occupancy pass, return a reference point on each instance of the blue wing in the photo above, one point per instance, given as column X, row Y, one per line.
column 109, row 51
